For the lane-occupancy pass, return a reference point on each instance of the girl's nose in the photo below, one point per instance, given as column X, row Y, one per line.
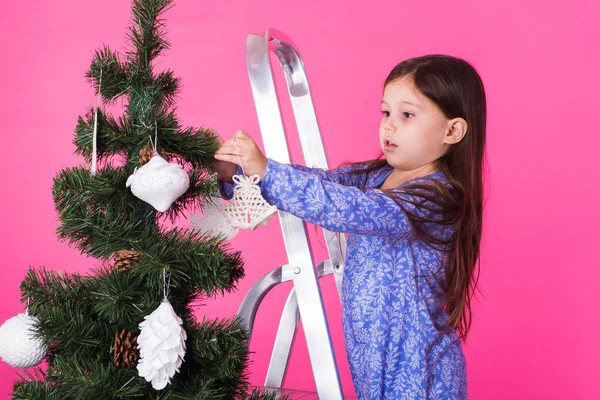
column 389, row 127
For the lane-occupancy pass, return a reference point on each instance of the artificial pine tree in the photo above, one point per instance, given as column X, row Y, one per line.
column 92, row 322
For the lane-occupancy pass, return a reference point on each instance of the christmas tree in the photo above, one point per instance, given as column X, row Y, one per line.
column 91, row 322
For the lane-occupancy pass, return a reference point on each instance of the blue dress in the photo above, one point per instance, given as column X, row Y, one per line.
column 397, row 337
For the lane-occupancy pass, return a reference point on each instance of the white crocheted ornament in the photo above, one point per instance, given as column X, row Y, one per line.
column 162, row 346
column 213, row 222
column 158, row 182
column 20, row 347
column 247, row 209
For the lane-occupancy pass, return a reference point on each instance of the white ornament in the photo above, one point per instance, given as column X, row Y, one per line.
column 158, row 182
column 213, row 222
column 20, row 347
column 247, row 209
column 162, row 346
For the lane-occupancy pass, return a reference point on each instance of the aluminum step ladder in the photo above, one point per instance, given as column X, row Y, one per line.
column 305, row 299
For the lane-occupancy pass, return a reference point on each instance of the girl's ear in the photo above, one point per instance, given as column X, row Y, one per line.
column 455, row 131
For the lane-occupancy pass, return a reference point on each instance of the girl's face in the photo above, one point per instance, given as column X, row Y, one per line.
column 413, row 130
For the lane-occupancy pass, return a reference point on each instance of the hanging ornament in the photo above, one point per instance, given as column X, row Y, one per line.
column 162, row 345
column 158, row 182
column 247, row 208
column 20, row 347
column 213, row 221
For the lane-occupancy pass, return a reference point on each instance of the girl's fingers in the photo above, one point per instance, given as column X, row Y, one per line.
column 240, row 134
column 231, row 150
column 225, row 149
column 241, row 137
column 227, row 157
column 239, row 142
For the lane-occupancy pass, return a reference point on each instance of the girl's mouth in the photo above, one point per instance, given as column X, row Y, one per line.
column 387, row 145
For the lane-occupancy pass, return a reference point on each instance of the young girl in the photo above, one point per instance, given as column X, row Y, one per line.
column 413, row 220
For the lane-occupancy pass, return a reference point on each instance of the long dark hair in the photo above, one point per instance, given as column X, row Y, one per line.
column 456, row 88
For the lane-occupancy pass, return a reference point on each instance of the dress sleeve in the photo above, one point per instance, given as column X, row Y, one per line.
column 226, row 188
column 339, row 175
column 333, row 206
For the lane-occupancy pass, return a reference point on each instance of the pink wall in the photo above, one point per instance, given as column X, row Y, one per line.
column 534, row 334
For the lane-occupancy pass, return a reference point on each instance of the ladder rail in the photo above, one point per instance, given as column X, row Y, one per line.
column 289, row 317
column 305, row 298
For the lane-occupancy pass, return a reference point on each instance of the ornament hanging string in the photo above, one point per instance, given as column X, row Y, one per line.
column 166, row 285
column 94, row 138
column 237, row 153
column 155, row 143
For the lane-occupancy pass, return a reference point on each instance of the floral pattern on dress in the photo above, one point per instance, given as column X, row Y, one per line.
column 398, row 340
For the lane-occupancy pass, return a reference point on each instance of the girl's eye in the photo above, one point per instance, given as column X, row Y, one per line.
column 407, row 115
column 386, row 113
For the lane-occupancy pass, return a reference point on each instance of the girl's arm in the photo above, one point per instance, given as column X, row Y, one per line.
column 333, row 206
column 339, row 175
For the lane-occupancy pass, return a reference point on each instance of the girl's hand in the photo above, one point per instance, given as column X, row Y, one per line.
column 251, row 158
column 225, row 170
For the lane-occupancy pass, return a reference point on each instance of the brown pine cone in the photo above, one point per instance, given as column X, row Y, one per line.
column 125, row 351
column 125, row 258
column 146, row 154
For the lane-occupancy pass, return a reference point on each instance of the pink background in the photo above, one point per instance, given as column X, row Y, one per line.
column 534, row 334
